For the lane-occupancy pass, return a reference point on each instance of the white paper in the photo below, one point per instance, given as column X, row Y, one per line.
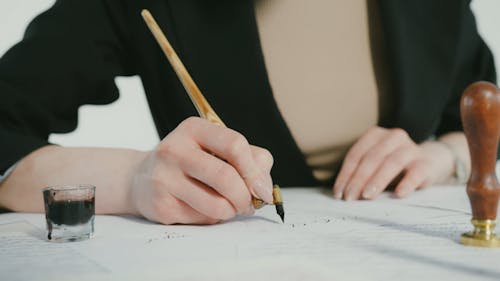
column 385, row 239
column 24, row 255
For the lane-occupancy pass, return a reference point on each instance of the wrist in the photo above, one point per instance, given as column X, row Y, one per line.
column 442, row 161
column 459, row 171
column 133, row 182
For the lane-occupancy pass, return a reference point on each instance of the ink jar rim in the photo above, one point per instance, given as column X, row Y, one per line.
column 69, row 187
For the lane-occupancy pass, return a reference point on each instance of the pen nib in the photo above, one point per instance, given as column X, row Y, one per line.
column 278, row 202
column 280, row 211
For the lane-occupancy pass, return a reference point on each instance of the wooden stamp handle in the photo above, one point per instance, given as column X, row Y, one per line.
column 480, row 110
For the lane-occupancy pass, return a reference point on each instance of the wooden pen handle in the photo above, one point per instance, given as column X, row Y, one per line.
column 201, row 104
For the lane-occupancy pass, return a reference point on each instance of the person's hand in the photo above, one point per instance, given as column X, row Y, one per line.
column 380, row 155
column 201, row 173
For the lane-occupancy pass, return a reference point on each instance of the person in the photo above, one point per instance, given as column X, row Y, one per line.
column 357, row 95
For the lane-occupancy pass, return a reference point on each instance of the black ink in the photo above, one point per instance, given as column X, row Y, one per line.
column 70, row 212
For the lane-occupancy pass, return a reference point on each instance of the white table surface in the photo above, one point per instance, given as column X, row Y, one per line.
column 323, row 239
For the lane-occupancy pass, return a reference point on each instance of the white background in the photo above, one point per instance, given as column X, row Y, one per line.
column 127, row 122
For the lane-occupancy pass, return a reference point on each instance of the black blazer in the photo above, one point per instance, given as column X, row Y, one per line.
column 71, row 54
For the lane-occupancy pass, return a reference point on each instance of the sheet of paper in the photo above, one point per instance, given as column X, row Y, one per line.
column 25, row 256
column 388, row 238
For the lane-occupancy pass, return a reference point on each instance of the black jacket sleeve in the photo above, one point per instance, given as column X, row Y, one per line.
column 474, row 62
column 69, row 56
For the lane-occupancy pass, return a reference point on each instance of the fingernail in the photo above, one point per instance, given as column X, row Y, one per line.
column 264, row 191
column 337, row 194
column 250, row 210
column 369, row 192
column 402, row 191
column 349, row 197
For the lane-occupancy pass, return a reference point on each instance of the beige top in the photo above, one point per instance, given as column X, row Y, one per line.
column 318, row 59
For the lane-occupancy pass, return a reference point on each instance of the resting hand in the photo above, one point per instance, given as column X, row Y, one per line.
column 182, row 181
column 380, row 155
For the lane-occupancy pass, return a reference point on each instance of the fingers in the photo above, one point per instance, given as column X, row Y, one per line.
column 263, row 158
column 353, row 157
column 170, row 187
column 370, row 163
column 172, row 211
column 158, row 201
column 390, row 168
column 217, row 174
column 233, row 148
column 415, row 178
column 204, row 200
column 375, row 160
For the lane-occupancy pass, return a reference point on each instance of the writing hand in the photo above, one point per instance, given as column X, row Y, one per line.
column 201, row 173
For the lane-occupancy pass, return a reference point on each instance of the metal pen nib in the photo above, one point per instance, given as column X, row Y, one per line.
column 280, row 211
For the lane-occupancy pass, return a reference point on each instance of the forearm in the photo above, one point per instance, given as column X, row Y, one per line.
column 110, row 170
